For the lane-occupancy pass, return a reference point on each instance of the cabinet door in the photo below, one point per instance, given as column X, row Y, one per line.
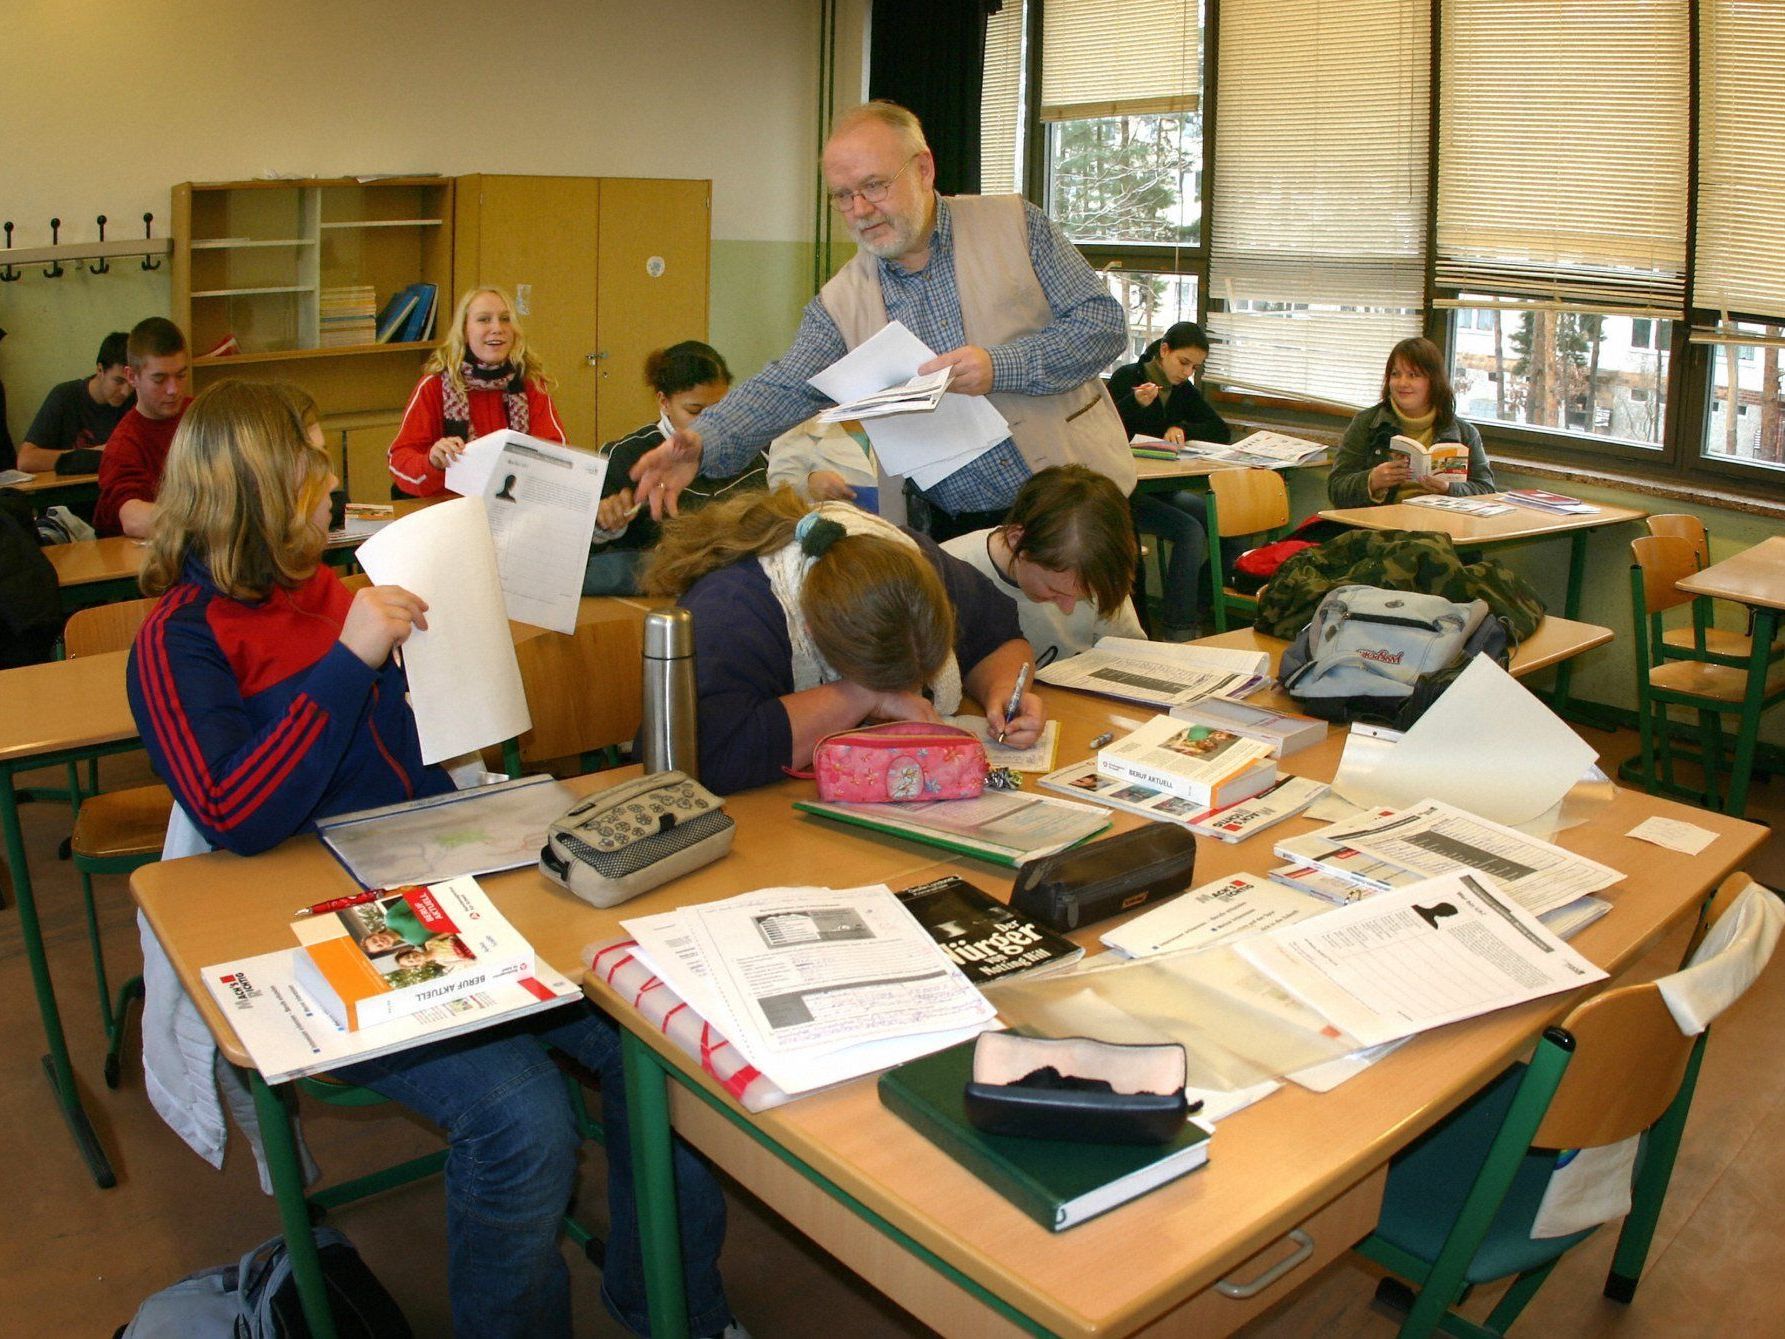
column 536, row 237
column 654, row 256
column 366, row 448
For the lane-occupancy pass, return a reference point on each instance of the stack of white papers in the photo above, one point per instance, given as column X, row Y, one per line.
column 814, row 985
column 1166, row 674
column 918, row 395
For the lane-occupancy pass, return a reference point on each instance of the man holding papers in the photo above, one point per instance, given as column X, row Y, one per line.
column 987, row 282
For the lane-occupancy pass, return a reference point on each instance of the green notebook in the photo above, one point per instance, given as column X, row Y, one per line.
column 1004, row 827
column 1056, row 1182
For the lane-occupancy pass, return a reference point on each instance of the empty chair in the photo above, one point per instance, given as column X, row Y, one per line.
column 1241, row 502
column 1700, row 636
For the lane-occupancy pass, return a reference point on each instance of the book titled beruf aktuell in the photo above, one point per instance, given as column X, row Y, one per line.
column 984, row 938
column 1059, row 1183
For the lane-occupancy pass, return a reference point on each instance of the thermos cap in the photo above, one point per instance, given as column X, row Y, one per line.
column 669, row 634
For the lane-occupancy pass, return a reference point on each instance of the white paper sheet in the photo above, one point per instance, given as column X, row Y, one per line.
column 1522, row 757
column 1226, row 909
column 464, row 682
column 1402, row 962
column 1673, row 834
column 928, row 447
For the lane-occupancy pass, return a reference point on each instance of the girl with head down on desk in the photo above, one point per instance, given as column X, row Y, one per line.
column 809, row 620
column 268, row 697
column 482, row 379
column 1417, row 402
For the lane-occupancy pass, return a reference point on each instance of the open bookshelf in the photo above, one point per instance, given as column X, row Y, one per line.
column 254, row 259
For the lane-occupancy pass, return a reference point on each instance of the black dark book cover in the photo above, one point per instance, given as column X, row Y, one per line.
column 989, row 941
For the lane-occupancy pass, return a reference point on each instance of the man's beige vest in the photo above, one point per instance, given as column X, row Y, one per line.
column 1001, row 300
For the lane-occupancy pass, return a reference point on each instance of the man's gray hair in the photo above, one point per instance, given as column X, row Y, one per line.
column 889, row 114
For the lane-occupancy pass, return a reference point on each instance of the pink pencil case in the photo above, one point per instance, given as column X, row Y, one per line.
column 900, row 761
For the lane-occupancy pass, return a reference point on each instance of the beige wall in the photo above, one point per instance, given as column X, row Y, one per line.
column 105, row 106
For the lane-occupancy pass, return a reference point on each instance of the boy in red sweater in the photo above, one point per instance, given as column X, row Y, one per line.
column 130, row 469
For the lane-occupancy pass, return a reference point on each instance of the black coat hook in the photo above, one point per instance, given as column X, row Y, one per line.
column 9, row 275
column 101, row 265
column 148, row 235
column 55, row 269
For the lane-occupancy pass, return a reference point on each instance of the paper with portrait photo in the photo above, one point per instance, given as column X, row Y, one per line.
column 926, row 446
column 464, row 681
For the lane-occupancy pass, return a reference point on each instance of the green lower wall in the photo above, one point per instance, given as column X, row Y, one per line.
column 758, row 291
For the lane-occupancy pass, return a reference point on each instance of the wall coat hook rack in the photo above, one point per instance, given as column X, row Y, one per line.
column 102, row 265
column 9, row 275
column 55, row 270
column 94, row 257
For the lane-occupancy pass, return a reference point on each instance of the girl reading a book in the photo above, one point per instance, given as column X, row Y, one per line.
column 1065, row 557
column 1157, row 396
column 686, row 378
column 809, row 620
column 1417, row 402
column 482, row 379
column 268, row 697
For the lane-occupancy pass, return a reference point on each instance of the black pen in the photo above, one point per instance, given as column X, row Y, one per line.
column 1016, row 699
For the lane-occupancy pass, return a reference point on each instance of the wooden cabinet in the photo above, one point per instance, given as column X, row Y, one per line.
column 603, row 269
column 252, row 259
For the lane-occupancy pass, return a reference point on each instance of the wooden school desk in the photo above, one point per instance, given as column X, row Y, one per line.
column 50, row 489
column 860, row 1181
column 886, row 1202
column 99, row 571
column 60, row 712
column 1754, row 577
column 1520, row 525
column 1556, row 640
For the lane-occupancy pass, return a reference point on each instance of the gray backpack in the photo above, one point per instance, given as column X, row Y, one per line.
column 1385, row 655
column 257, row 1299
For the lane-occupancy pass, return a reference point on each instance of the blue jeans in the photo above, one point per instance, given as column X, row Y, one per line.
column 511, row 1167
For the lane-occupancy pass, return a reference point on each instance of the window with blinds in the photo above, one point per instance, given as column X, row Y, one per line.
column 1102, row 58
column 1317, row 260
column 1562, row 152
column 1001, row 102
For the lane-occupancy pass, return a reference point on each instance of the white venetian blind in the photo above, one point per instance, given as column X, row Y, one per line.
column 1001, row 101
column 1740, row 260
column 1317, row 257
column 1562, row 151
column 1118, row 58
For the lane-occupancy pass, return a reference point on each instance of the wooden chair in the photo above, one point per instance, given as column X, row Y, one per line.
column 1459, row 1205
column 1701, row 636
column 1241, row 502
column 115, row 831
column 584, row 691
column 1695, row 675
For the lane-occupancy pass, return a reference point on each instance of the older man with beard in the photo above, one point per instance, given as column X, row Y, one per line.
column 1023, row 320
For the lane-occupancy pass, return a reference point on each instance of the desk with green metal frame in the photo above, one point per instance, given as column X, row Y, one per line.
column 1754, row 577
column 61, row 712
column 1299, row 1167
column 1518, row 526
column 51, row 490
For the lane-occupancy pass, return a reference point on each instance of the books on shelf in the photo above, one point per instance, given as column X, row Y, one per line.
column 1441, row 460
column 407, row 315
column 226, row 347
column 1286, row 732
column 393, row 314
column 346, row 316
column 1541, row 499
column 1209, row 766
column 1059, row 1183
column 986, row 939
column 400, row 953
column 1005, row 827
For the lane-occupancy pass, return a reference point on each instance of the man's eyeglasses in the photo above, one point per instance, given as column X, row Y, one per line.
column 872, row 192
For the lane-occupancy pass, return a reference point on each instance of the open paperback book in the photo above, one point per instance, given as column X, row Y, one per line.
column 1285, row 798
column 1208, row 766
column 1445, row 461
column 1165, row 674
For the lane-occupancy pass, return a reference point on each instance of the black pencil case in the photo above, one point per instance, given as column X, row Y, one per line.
column 1090, row 883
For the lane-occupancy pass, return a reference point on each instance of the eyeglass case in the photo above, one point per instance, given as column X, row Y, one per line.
column 1143, row 1104
column 1101, row 879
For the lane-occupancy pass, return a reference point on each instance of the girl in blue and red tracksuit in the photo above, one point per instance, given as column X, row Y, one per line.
column 268, row 698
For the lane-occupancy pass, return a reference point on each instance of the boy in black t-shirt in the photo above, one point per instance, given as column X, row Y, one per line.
column 80, row 413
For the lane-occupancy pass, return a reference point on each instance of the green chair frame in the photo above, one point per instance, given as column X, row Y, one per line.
column 1652, row 701
column 1274, row 513
column 1443, row 1275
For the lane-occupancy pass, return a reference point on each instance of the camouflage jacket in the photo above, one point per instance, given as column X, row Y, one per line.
column 1418, row 560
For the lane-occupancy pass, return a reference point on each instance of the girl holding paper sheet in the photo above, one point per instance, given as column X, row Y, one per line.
column 482, row 379
column 809, row 620
column 267, row 697
column 1417, row 402
column 686, row 378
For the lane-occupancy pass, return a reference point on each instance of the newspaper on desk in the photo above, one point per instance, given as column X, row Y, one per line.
column 814, row 985
column 1167, row 674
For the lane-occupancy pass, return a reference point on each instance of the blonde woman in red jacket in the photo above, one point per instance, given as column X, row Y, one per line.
column 482, row 379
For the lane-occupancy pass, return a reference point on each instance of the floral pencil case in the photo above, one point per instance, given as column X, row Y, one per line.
column 899, row 762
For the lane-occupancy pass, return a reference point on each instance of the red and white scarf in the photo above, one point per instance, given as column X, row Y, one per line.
column 456, row 402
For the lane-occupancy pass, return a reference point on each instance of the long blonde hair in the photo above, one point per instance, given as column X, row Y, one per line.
column 449, row 358
column 878, row 612
column 239, row 492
